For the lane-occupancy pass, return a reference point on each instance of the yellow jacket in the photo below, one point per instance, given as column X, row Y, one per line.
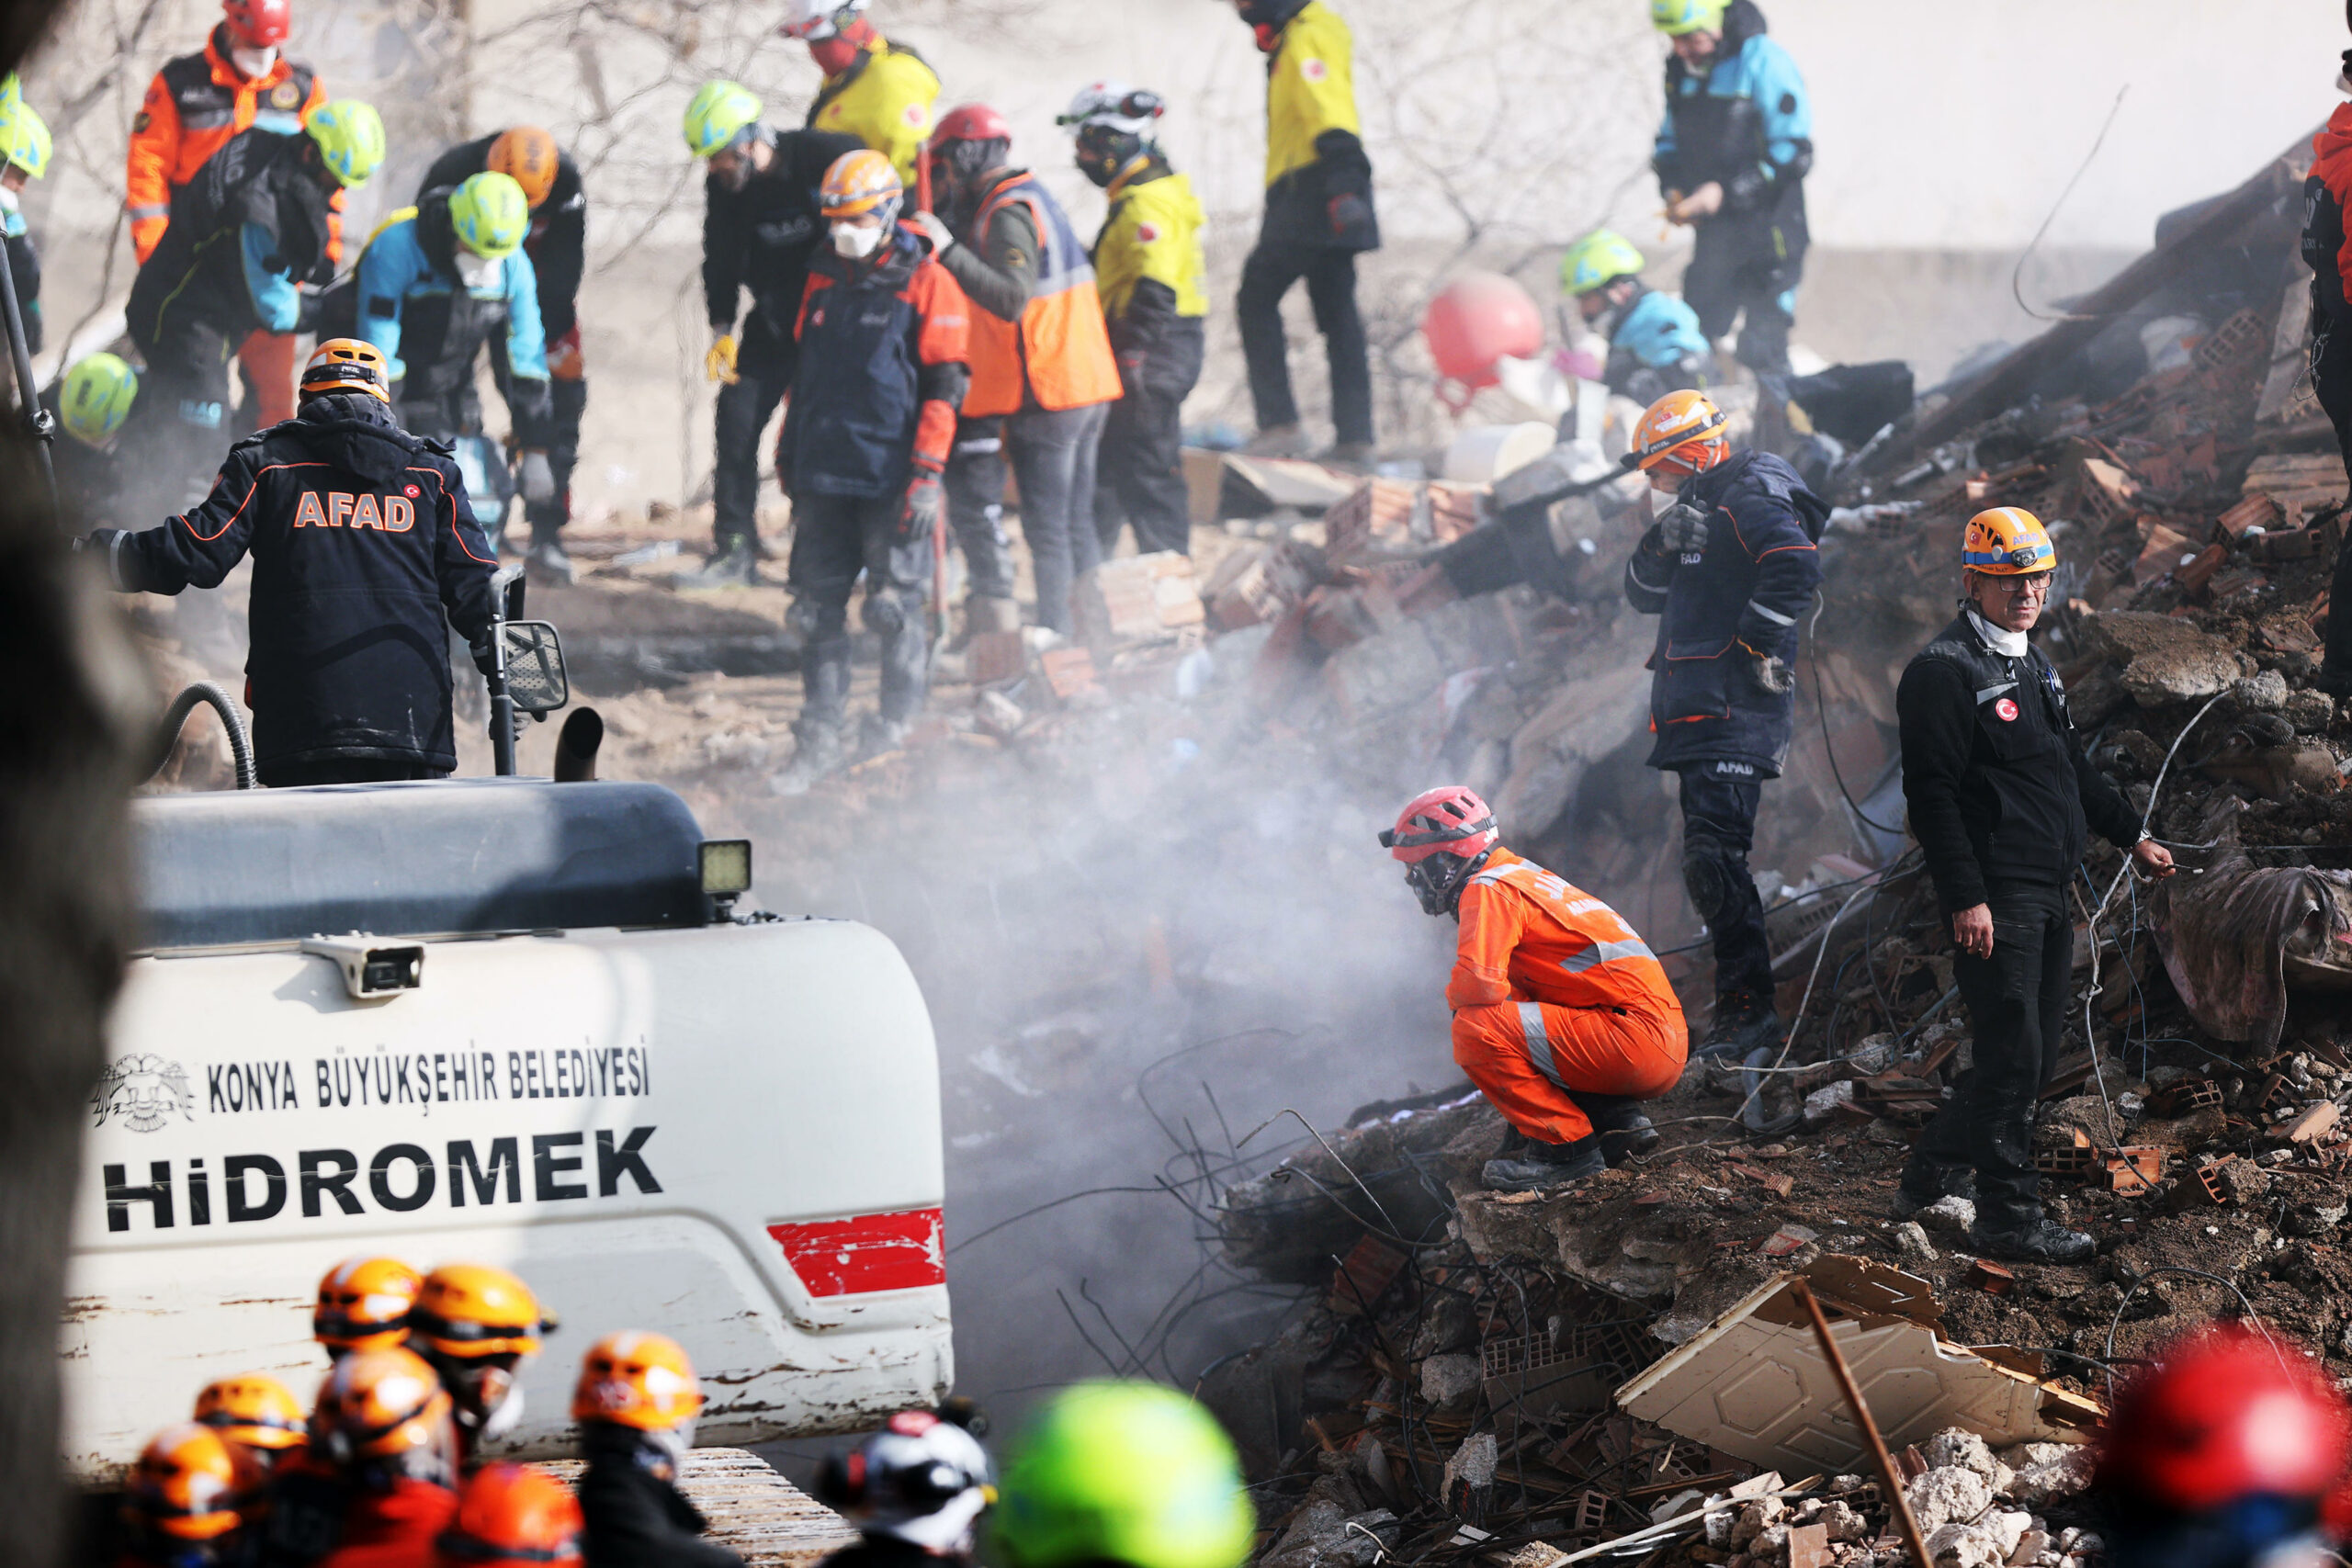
column 1154, row 231
column 1310, row 88
column 885, row 101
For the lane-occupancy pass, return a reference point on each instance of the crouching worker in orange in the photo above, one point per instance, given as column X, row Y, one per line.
column 1562, row 1015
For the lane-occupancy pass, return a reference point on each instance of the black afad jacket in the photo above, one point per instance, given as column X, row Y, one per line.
column 362, row 540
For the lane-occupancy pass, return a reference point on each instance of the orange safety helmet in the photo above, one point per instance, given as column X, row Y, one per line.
column 529, row 157
column 637, row 1380
column 1681, row 434
column 188, row 1485
column 347, row 365
column 252, row 1409
column 511, row 1516
column 2008, row 541
column 859, row 182
column 364, row 1302
column 468, row 1310
column 384, row 1405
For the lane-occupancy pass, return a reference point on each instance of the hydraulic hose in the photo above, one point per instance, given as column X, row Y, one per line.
column 241, row 745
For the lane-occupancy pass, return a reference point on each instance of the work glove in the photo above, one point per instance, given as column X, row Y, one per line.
column 718, row 364
column 925, row 504
column 538, row 477
column 935, row 229
column 1772, row 674
column 1682, row 531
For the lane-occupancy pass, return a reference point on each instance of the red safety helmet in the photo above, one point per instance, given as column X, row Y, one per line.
column 1443, row 836
column 258, row 24
column 970, row 122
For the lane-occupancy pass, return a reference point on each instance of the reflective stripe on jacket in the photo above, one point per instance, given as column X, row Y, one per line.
column 1060, row 353
column 195, row 103
column 1529, row 935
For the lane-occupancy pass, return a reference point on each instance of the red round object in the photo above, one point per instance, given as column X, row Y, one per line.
column 1448, row 820
column 259, row 24
column 2224, row 1414
column 971, row 122
column 1478, row 319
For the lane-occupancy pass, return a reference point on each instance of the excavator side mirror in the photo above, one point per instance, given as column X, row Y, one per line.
column 535, row 673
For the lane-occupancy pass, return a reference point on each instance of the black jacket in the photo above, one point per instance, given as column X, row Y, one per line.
column 1993, row 772
column 362, row 539
column 259, row 177
column 882, row 1551
column 1746, row 594
column 760, row 238
column 637, row 1519
column 559, row 244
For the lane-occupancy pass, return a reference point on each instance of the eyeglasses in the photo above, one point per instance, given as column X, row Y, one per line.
column 2019, row 587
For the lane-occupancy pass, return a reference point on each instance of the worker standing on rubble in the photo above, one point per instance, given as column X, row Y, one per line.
column 362, row 543
column 239, row 80
column 557, row 245
column 761, row 221
column 1153, row 276
column 1729, row 569
column 914, row 1491
column 2001, row 798
column 1562, row 1015
column 1731, row 158
column 1655, row 343
column 877, row 91
column 1318, row 219
column 2327, row 250
column 1042, row 378
column 883, row 332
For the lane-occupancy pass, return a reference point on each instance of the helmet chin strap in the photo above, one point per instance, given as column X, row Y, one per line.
column 836, row 54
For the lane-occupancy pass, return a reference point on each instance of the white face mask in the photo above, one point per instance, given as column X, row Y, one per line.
column 475, row 271
column 253, row 62
column 856, row 241
column 7, row 199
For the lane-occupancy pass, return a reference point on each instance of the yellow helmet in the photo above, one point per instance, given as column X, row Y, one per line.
column 364, row 1302
column 384, row 1404
column 253, row 1409
column 2008, row 541
column 637, row 1380
column 860, row 182
column 1682, row 432
column 468, row 1310
column 188, row 1485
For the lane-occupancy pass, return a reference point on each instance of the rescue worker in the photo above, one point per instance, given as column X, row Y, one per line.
column 914, row 1490
column 240, row 79
column 1153, row 276
column 513, row 1516
column 475, row 1325
column 877, row 91
column 377, row 1485
column 256, row 1415
column 91, row 404
column 1562, row 1016
column 2001, row 798
column 1731, row 158
column 761, row 221
column 557, row 248
column 1124, row 1473
column 1040, row 357
column 183, row 1503
column 1655, row 343
column 364, row 1305
column 362, row 543
column 636, row 1402
column 1729, row 569
column 24, row 156
column 2327, row 250
column 435, row 285
column 1318, row 219
column 247, row 232
column 2228, row 1449
column 883, row 367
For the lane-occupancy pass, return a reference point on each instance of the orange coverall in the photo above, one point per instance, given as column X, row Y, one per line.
column 1552, row 993
column 195, row 103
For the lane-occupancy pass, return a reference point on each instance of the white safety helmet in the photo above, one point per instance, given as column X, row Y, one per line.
column 812, row 21
column 1116, row 106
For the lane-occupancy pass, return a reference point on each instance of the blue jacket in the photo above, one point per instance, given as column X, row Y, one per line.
column 432, row 327
column 1746, row 125
column 1658, row 333
column 1746, row 594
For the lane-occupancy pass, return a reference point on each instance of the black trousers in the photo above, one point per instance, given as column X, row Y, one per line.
column 566, row 402
column 178, row 429
column 1140, row 475
column 341, row 771
column 835, row 537
column 2016, row 1004
column 1331, row 278
column 1718, row 830
column 2332, row 384
column 976, row 507
column 764, row 366
column 1747, row 264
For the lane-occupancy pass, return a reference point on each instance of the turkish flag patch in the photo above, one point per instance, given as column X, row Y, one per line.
column 1147, row 232
column 1314, row 70
column 2006, row 709
column 918, row 115
column 410, row 491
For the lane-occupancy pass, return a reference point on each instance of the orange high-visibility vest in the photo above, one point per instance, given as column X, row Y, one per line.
column 1060, row 353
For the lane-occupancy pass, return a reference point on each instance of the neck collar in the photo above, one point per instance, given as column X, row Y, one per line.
column 2007, row 644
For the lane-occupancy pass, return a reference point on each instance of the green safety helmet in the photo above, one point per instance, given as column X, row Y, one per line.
column 350, row 135
column 1130, row 1472
column 491, row 214
column 721, row 112
column 12, row 90
column 95, row 398
column 24, row 138
column 1675, row 17
column 1597, row 260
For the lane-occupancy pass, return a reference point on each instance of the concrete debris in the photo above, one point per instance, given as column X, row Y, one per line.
column 1953, row 1215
